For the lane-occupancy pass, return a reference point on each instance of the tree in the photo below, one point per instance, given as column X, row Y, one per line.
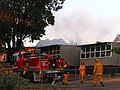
column 116, row 49
column 20, row 19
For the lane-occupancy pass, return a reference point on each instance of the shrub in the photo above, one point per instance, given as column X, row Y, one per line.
column 9, row 79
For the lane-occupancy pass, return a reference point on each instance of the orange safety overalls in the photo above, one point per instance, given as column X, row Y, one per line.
column 25, row 69
column 65, row 80
column 98, row 70
column 82, row 69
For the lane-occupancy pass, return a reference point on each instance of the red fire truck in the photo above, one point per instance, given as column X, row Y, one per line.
column 38, row 67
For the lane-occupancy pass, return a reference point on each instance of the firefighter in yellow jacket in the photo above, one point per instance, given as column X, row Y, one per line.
column 98, row 70
column 82, row 69
column 25, row 68
column 65, row 75
column 65, row 78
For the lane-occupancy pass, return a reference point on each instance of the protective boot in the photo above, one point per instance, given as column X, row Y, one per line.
column 82, row 81
column 102, row 83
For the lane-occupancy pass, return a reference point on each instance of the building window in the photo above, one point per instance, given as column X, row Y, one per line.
column 97, row 48
column 97, row 54
column 58, row 47
column 103, row 54
column 58, row 52
column 92, row 49
column 108, row 47
column 55, row 48
column 92, row 55
column 87, row 49
column 87, row 55
column 103, row 47
column 83, row 50
column 108, row 53
column 82, row 55
column 98, row 51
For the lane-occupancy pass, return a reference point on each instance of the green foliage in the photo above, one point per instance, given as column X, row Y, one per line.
column 116, row 49
column 27, row 17
column 9, row 82
column 20, row 19
column 9, row 79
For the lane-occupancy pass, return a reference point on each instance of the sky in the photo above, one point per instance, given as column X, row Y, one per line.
column 85, row 22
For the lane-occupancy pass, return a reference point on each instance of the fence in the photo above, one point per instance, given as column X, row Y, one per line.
column 108, row 72
column 74, row 73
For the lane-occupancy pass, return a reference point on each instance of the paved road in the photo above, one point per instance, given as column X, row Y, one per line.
column 110, row 84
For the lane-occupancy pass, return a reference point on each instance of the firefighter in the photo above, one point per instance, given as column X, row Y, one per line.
column 65, row 78
column 65, row 75
column 98, row 70
column 82, row 69
column 25, row 69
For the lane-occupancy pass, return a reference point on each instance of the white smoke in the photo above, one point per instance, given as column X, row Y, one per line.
column 48, row 42
column 78, row 23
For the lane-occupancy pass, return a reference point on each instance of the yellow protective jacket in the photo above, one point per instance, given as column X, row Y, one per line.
column 82, row 69
column 98, row 68
column 65, row 77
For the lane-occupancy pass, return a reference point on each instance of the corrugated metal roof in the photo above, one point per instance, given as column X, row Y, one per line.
column 97, row 43
column 54, row 45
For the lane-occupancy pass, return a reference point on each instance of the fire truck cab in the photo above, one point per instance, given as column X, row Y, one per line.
column 38, row 67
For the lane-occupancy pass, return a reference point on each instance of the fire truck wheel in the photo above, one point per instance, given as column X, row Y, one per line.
column 50, row 79
column 31, row 77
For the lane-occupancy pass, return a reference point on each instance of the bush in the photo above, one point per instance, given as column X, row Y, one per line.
column 9, row 80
